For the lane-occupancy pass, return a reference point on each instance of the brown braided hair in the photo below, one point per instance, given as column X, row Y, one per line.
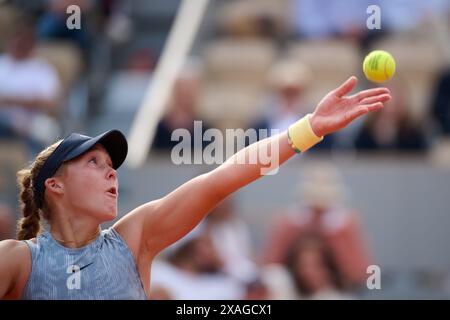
column 30, row 225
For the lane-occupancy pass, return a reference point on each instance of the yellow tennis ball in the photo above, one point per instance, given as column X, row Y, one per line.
column 379, row 66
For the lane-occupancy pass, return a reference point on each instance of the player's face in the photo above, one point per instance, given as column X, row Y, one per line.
column 91, row 185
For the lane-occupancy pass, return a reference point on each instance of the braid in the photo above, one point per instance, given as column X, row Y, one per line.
column 30, row 225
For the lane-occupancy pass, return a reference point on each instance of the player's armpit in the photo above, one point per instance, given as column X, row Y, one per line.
column 152, row 227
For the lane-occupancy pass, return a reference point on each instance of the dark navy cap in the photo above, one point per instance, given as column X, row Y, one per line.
column 75, row 145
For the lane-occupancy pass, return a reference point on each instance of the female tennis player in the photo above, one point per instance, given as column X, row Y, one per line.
column 72, row 185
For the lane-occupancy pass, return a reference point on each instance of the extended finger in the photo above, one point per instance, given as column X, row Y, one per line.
column 373, row 106
column 362, row 109
column 369, row 93
column 374, row 99
column 346, row 87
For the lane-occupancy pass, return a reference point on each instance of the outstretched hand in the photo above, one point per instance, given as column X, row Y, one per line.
column 336, row 110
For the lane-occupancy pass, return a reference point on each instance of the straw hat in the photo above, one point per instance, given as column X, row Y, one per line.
column 321, row 186
column 288, row 73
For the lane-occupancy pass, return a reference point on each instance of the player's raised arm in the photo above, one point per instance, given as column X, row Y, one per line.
column 158, row 224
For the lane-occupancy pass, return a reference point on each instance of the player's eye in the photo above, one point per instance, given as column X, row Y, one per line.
column 93, row 160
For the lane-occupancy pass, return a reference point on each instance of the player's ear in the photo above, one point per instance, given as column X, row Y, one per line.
column 54, row 184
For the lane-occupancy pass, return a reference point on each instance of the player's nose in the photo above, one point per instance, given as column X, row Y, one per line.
column 112, row 174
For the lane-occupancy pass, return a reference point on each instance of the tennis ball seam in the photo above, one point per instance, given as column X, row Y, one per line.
column 379, row 66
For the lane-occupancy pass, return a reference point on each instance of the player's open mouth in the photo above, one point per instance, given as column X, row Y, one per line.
column 112, row 192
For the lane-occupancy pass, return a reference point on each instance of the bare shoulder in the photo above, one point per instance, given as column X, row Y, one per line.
column 15, row 267
column 14, row 248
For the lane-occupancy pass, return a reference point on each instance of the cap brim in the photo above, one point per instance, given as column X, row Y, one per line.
column 113, row 141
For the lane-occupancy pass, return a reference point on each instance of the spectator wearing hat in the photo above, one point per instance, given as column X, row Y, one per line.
column 288, row 81
column 322, row 211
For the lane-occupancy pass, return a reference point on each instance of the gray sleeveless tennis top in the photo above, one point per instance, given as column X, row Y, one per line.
column 103, row 269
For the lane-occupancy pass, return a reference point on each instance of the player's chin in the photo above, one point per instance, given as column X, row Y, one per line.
column 109, row 212
column 108, row 217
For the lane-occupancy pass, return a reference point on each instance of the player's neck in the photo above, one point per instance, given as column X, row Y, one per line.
column 72, row 242
column 74, row 232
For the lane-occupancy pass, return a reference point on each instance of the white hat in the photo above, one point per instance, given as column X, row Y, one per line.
column 288, row 73
column 321, row 185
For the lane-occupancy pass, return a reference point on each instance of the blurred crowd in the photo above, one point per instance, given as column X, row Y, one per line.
column 315, row 249
column 263, row 64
